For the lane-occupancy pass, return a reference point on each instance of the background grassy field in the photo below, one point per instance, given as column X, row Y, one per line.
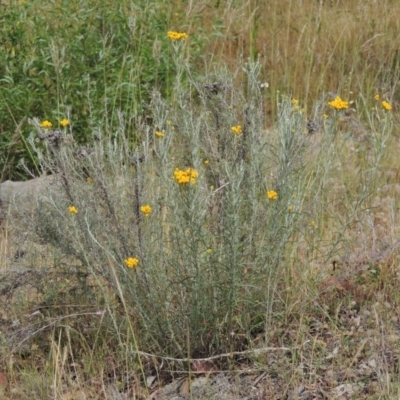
column 88, row 59
column 272, row 274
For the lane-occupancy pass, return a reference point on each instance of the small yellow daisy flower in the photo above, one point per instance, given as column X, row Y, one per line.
column 386, row 105
column 339, row 104
column 160, row 134
column 272, row 195
column 209, row 251
column 73, row 210
column 237, row 129
column 185, row 176
column 206, row 162
column 46, row 124
column 377, row 97
column 174, row 36
column 131, row 262
column 64, row 122
column 295, row 101
column 146, row 210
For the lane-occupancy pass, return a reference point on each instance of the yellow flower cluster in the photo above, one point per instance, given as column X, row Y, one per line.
column 131, row 262
column 73, row 210
column 177, row 35
column 386, row 105
column 296, row 106
column 237, row 129
column 160, row 134
column 339, row 104
column 64, row 122
column 46, row 124
column 185, row 176
column 146, row 210
column 272, row 195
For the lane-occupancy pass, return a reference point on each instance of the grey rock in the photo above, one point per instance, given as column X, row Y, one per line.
column 22, row 196
column 11, row 192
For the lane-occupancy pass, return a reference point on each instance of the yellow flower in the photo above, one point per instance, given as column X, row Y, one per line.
column 160, row 134
column 146, row 210
column 290, row 208
column 377, row 97
column 131, row 262
column 272, row 195
column 339, row 104
column 313, row 223
column 185, row 176
column 209, row 251
column 237, row 129
column 296, row 108
column 177, row 35
column 386, row 105
column 206, row 162
column 46, row 124
column 64, row 122
column 294, row 101
column 212, row 187
column 73, row 210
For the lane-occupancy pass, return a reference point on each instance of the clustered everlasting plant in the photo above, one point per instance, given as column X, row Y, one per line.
column 272, row 195
column 193, row 210
column 210, row 220
column 339, row 104
column 73, row 210
column 64, row 122
column 177, row 35
column 188, row 175
column 188, row 241
column 386, row 106
column 146, row 210
column 237, row 129
column 212, row 255
column 131, row 262
column 46, row 124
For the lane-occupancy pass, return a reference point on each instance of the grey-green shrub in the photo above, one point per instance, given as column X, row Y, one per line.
column 213, row 255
